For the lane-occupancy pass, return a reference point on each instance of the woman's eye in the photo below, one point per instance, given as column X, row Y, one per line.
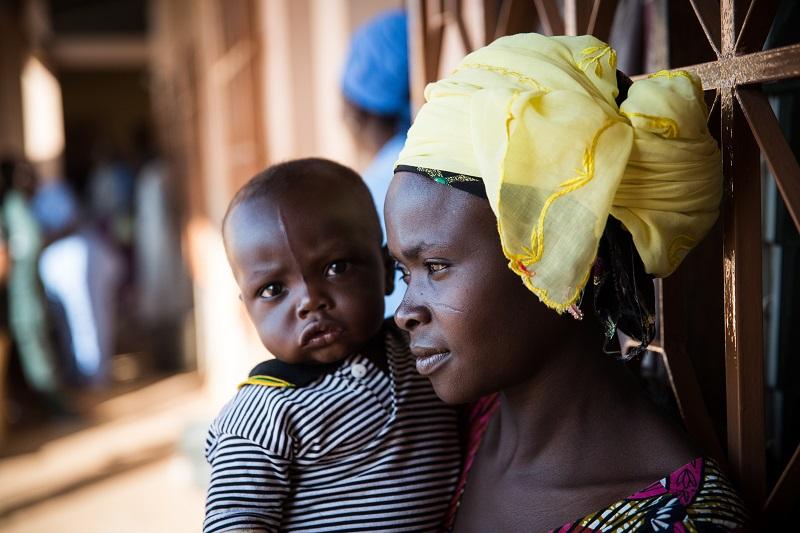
column 271, row 290
column 435, row 267
column 337, row 267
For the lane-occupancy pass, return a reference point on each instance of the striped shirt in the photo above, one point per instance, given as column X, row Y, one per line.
column 356, row 449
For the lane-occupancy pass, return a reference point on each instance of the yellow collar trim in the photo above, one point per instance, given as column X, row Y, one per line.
column 266, row 381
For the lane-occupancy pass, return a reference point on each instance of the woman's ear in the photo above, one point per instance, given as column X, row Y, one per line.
column 388, row 266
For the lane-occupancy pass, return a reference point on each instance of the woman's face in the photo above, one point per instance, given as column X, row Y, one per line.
column 474, row 327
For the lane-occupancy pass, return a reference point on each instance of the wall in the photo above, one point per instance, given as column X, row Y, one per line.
column 281, row 61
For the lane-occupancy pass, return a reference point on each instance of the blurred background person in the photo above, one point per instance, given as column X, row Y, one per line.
column 5, row 341
column 158, row 266
column 375, row 87
column 111, row 194
column 26, row 302
column 82, row 272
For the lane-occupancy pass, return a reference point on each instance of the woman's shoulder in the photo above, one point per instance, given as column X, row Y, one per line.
column 716, row 501
column 695, row 497
column 698, row 493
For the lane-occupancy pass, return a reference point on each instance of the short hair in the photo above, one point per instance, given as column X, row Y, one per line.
column 284, row 176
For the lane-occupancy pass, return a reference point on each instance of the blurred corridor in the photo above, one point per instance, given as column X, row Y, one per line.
column 126, row 127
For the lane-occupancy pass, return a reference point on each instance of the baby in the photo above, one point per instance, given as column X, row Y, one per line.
column 338, row 432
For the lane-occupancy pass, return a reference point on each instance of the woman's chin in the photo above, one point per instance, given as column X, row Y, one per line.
column 451, row 393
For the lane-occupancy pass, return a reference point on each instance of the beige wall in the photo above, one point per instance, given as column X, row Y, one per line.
column 305, row 45
column 298, row 48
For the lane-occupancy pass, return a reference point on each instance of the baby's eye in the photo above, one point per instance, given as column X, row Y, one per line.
column 337, row 267
column 271, row 290
column 404, row 273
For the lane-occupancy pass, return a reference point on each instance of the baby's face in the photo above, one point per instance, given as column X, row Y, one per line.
column 311, row 273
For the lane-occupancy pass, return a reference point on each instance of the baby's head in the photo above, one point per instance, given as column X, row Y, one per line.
column 304, row 242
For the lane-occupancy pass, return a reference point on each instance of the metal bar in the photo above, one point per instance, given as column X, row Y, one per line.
column 516, row 16
column 491, row 20
column 454, row 8
column 709, row 17
column 744, row 373
column 549, row 14
column 691, row 326
column 727, row 27
column 657, row 343
column 780, row 158
column 689, row 396
column 760, row 67
column 576, row 16
column 434, row 36
column 503, row 18
column 756, row 26
column 733, row 14
column 418, row 46
column 601, row 18
column 714, row 105
column 783, row 499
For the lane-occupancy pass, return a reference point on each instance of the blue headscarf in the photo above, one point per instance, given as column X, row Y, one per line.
column 376, row 72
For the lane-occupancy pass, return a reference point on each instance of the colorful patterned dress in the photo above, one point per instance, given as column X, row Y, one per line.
column 694, row 498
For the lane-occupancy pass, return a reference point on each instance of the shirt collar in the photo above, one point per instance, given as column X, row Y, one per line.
column 298, row 375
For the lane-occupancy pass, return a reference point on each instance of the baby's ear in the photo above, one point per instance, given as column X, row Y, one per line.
column 388, row 267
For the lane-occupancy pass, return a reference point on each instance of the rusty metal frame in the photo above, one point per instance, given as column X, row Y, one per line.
column 748, row 126
column 736, row 31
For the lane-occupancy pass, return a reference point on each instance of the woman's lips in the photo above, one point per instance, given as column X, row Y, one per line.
column 429, row 360
column 319, row 335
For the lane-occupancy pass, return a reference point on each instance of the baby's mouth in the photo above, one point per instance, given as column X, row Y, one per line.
column 320, row 334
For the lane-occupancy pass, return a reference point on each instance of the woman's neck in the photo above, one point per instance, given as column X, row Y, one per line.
column 581, row 413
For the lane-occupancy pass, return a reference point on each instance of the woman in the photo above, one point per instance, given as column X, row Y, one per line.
column 526, row 141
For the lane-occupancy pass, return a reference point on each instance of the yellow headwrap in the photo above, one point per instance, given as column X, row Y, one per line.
column 535, row 117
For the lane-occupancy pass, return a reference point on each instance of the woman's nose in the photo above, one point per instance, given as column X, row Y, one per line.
column 411, row 314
